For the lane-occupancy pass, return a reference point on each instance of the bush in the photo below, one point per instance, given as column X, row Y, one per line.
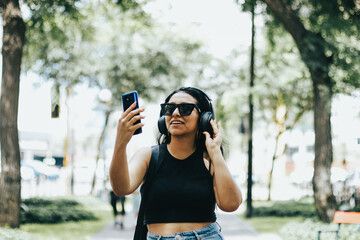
column 309, row 230
column 290, row 208
column 41, row 202
column 37, row 210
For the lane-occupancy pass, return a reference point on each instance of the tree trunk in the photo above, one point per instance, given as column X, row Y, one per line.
column 325, row 201
column 311, row 48
column 274, row 157
column 10, row 179
column 99, row 148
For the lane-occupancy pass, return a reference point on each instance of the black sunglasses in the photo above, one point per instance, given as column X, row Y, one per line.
column 185, row 109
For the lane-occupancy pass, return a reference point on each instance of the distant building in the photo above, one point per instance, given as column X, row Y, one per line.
column 38, row 146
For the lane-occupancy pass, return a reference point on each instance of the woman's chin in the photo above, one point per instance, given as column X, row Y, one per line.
column 181, row 133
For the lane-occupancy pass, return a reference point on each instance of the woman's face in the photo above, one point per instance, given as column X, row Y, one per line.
column 182, row 125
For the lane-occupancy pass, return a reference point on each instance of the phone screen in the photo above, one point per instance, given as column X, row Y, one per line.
column 128, row 99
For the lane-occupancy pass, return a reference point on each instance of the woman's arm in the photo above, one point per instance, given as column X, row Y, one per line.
column 126, row 177
column 227, row 193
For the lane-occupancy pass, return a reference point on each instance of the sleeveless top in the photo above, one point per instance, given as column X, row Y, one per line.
column 181, row 191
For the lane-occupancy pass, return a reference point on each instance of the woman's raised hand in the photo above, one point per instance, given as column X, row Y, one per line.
column 214, row 143
column 126, row 127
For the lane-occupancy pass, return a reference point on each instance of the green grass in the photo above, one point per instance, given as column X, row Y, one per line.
column 272, row 216
column 74, row 230
column 271, row 224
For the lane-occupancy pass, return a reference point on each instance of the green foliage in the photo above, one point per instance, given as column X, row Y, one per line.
column 247, row 5
column 54, row 33
column 127, row 5
column 332, row 17
column 80, row 230
column 345, row 69
column 335, row 26
column 42, row 8
column 289, row 208
column 309, row 230
column 231, row 88
column 109, row 45
column 271, row 224
column 42, row 202
column 283, row 79
column 139, row 56
column 37, row 210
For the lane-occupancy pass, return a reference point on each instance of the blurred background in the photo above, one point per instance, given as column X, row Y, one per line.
column 81, row 56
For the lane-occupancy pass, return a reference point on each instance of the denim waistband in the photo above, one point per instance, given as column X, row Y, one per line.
column 196, row 234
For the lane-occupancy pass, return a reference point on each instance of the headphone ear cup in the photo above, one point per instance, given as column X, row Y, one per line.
column 162, row 125
column 205, row 123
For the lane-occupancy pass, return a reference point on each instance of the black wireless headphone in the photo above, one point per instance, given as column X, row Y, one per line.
column 204, row 119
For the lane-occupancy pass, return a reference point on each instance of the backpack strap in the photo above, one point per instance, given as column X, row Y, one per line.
column 157, row 154
column 155, row 162
column 210, row 166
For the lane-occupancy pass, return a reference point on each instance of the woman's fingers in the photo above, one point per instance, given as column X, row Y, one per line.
column 134, row 127
column 213, row 124
column 129, row 115
column 136, row 118
column 127, row 111
column 216, row 127
column 207, row 135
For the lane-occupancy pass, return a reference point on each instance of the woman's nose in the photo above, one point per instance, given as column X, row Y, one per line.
column 176, row 112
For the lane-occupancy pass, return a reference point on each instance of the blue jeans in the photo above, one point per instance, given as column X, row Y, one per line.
column 211, row 232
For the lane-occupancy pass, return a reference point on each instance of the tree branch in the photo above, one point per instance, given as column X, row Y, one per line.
column 291, row 22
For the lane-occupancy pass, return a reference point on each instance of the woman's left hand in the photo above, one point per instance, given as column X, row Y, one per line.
column 213, row 143
column 227, row 193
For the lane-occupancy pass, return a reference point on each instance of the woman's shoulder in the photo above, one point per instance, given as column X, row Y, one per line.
column 144, row 151
column 148, row 150
column 143, row 154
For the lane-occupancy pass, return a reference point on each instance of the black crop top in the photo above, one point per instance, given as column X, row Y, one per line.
column 181, row 191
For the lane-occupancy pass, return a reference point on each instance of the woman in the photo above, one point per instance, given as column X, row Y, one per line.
column 193, row 176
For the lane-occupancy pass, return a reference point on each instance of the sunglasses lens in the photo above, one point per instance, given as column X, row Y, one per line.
column 167, row 109
column 185, row 109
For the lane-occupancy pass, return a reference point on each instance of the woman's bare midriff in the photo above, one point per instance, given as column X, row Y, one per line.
column 171, row 228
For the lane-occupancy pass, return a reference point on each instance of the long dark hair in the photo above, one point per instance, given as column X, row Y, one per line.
column 203, row 102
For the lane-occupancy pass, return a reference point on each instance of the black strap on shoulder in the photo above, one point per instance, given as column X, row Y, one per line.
column 210, row 166
column 155, row 162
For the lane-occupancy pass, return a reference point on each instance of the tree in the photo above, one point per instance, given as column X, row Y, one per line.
column 12, row 51
column 13, row 41
column 282, row 96
column 313, row 26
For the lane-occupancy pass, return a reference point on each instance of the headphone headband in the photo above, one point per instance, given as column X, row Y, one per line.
column 201, row 93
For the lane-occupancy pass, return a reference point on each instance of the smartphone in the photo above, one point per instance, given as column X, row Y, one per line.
column 127, row 100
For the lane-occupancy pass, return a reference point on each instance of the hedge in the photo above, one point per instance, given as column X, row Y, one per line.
column 38, row 210
column 289, row 208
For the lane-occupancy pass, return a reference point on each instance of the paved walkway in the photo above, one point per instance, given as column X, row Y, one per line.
column 233, row 228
